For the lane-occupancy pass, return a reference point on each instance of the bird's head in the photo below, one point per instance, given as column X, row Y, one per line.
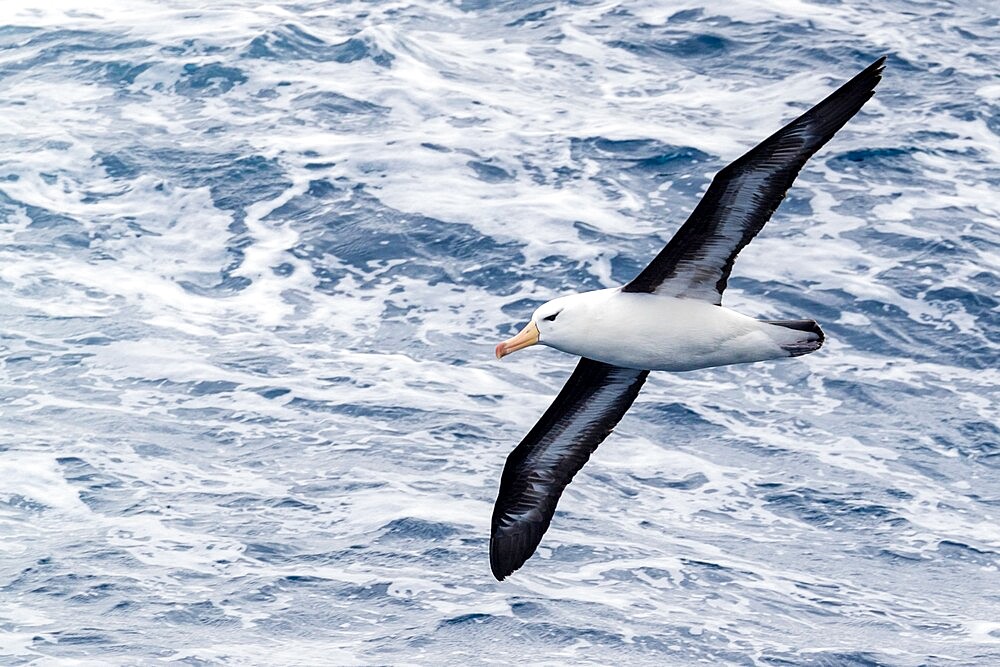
column 554, row 324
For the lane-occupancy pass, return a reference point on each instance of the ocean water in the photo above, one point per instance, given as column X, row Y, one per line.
column 254, row 259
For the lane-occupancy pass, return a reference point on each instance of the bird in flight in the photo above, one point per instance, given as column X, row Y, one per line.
column 669, row 317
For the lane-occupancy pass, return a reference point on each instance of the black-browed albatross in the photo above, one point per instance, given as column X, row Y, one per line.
column 670, row 317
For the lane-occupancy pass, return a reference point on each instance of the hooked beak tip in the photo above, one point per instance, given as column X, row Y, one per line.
column 527, row 337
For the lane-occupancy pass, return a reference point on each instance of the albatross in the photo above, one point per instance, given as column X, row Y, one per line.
column 670, row 317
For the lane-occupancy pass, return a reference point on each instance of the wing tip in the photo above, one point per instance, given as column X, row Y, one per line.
column 510, row 550
column 506, row 556
column 874, row 71
column 833, row 112
column 497, row 567
column 862, row 86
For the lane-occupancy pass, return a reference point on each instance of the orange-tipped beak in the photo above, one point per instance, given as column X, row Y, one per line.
column 526, row 338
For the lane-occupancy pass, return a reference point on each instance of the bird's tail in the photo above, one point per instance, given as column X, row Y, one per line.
column 807, row 336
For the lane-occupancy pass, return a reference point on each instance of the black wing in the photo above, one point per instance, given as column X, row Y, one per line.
column 696, row 262
column 587, row 409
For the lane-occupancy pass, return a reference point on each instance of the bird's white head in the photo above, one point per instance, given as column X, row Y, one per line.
column 558, row 323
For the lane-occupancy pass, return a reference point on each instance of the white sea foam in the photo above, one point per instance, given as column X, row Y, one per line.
column 250, row 407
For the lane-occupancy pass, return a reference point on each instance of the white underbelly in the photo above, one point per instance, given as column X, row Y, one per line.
column 660, row 333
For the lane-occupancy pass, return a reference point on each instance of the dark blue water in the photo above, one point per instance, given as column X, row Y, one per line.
column 254, row 260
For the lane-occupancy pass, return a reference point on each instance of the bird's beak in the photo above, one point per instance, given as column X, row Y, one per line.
column 527, row 337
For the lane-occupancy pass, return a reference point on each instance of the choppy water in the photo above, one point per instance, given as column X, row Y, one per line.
column 254, row 258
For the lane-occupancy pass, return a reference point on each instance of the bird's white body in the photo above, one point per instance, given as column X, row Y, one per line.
column 653, row 332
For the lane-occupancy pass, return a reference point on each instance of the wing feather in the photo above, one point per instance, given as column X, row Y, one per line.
column 587, row 409
column 697, row 261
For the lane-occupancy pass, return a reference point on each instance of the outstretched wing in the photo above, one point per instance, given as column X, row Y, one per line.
column 697, row 261
column 587, row 409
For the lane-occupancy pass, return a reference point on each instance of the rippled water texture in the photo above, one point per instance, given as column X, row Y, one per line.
column 254, row 260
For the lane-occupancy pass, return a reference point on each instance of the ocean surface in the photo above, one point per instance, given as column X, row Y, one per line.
column 254, row 259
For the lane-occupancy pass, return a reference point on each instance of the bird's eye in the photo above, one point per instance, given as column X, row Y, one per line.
column 552, row 317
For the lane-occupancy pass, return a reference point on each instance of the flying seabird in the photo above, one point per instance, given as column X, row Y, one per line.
column 670, row 317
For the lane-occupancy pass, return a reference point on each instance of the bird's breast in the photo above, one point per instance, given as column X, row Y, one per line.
column 650, row 332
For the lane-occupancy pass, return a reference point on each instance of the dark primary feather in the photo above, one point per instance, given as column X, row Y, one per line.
column 697, row 261
column 589, row 406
